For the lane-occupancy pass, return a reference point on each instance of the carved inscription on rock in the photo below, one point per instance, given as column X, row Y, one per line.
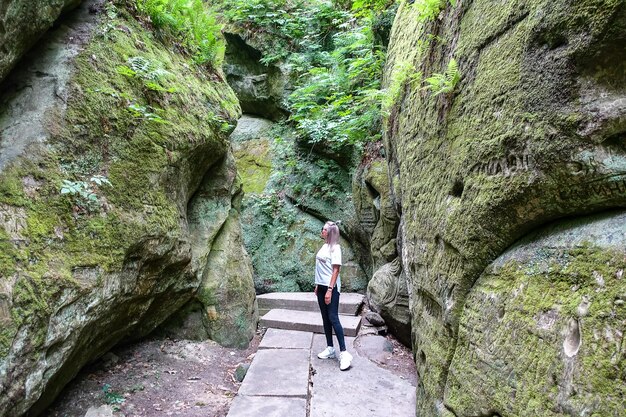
column 604, row 187
column 505, row 166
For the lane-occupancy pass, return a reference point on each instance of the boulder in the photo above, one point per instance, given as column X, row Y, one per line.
column 542, row 328
column 375, row 319
column 22, row 23
column 252, row 146
column 103, row 171
column 532, row 132
column 388, row 294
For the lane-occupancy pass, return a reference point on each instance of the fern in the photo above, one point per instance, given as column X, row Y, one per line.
column 446, row 82
column 187, row 23
column 401, row 75
column 429, row 9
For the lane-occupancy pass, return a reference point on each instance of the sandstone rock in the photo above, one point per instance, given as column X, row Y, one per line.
column 79, row 274
column 547, row 332
column 533, row 132
column 22, row 23
column 375, row 319
column 387, row 294
column 252, row 150
column 261, row 89
column 283, row 251
column 375, row 210
column 241, row 371
column 226, row 290
column 281, row 235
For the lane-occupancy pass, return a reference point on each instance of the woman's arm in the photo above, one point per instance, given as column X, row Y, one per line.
column 333, row 281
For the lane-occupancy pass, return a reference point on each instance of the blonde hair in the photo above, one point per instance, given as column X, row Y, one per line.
column 332, row 233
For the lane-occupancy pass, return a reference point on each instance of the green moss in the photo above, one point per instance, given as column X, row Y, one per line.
column 515, row 324
column 461, row 204
column 12, row 190
column 254, row 165
column 151, row 163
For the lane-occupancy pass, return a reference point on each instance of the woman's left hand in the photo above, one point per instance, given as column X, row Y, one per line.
column 328, row 296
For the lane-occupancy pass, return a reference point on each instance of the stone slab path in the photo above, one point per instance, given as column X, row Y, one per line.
column 286, row 379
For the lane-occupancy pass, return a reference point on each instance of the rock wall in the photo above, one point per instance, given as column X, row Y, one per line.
column 261, row 89
column 542, row 330
column 281, row 235
column 22, row 23
column 85, row 264
column 534, row 131
column 387, row 290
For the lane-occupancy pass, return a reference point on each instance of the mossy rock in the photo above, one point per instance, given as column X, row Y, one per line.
column 251, row 146
column 283, row 241
column 262, row 89
column 540, row 334
column 529, row 134
column 22, row 23
column 83, row 270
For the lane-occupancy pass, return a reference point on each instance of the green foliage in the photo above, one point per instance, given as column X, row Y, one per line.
column 187, row 24
column 337, row 103
column 330, row 46
column 151, row 74
column 84, row 193
column 429, row 9
column 286, row 27
column 367, row 7
column 112, row 398
column 446, row 82
column 145, row 112
column 402, row 74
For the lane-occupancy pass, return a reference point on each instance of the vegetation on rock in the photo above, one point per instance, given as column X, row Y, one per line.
column 68, row 236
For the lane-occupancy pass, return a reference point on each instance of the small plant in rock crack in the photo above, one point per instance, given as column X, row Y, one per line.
column 429, row 9
column 446, row 82
column 85, row 197
column 144, row 112
column 112, row 398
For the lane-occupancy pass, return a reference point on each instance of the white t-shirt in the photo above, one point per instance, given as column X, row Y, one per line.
column 324, row 261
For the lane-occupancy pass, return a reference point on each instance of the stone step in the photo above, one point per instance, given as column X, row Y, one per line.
column 349, row 302
column 308, row 321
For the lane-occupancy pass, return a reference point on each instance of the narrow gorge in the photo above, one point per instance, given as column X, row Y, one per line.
column 163, row 162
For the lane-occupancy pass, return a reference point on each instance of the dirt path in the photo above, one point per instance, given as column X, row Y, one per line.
column 163, row 377
column 158, row 377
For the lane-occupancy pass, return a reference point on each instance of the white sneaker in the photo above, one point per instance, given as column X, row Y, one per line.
column 328, row 353
column 345, row 360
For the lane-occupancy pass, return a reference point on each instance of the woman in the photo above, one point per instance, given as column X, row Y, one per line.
column 327, row 288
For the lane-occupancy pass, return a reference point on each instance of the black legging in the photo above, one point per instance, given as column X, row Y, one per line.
column 330, row 316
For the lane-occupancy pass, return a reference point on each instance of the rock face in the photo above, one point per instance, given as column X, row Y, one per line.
column 387, row 290
column 388, row 294
column 533, row 132
column 282, row 237
column 22, row 23
column 281, row 218
column 542, row 330
column 261, row 89
column 84, row 264
column 375, row 210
